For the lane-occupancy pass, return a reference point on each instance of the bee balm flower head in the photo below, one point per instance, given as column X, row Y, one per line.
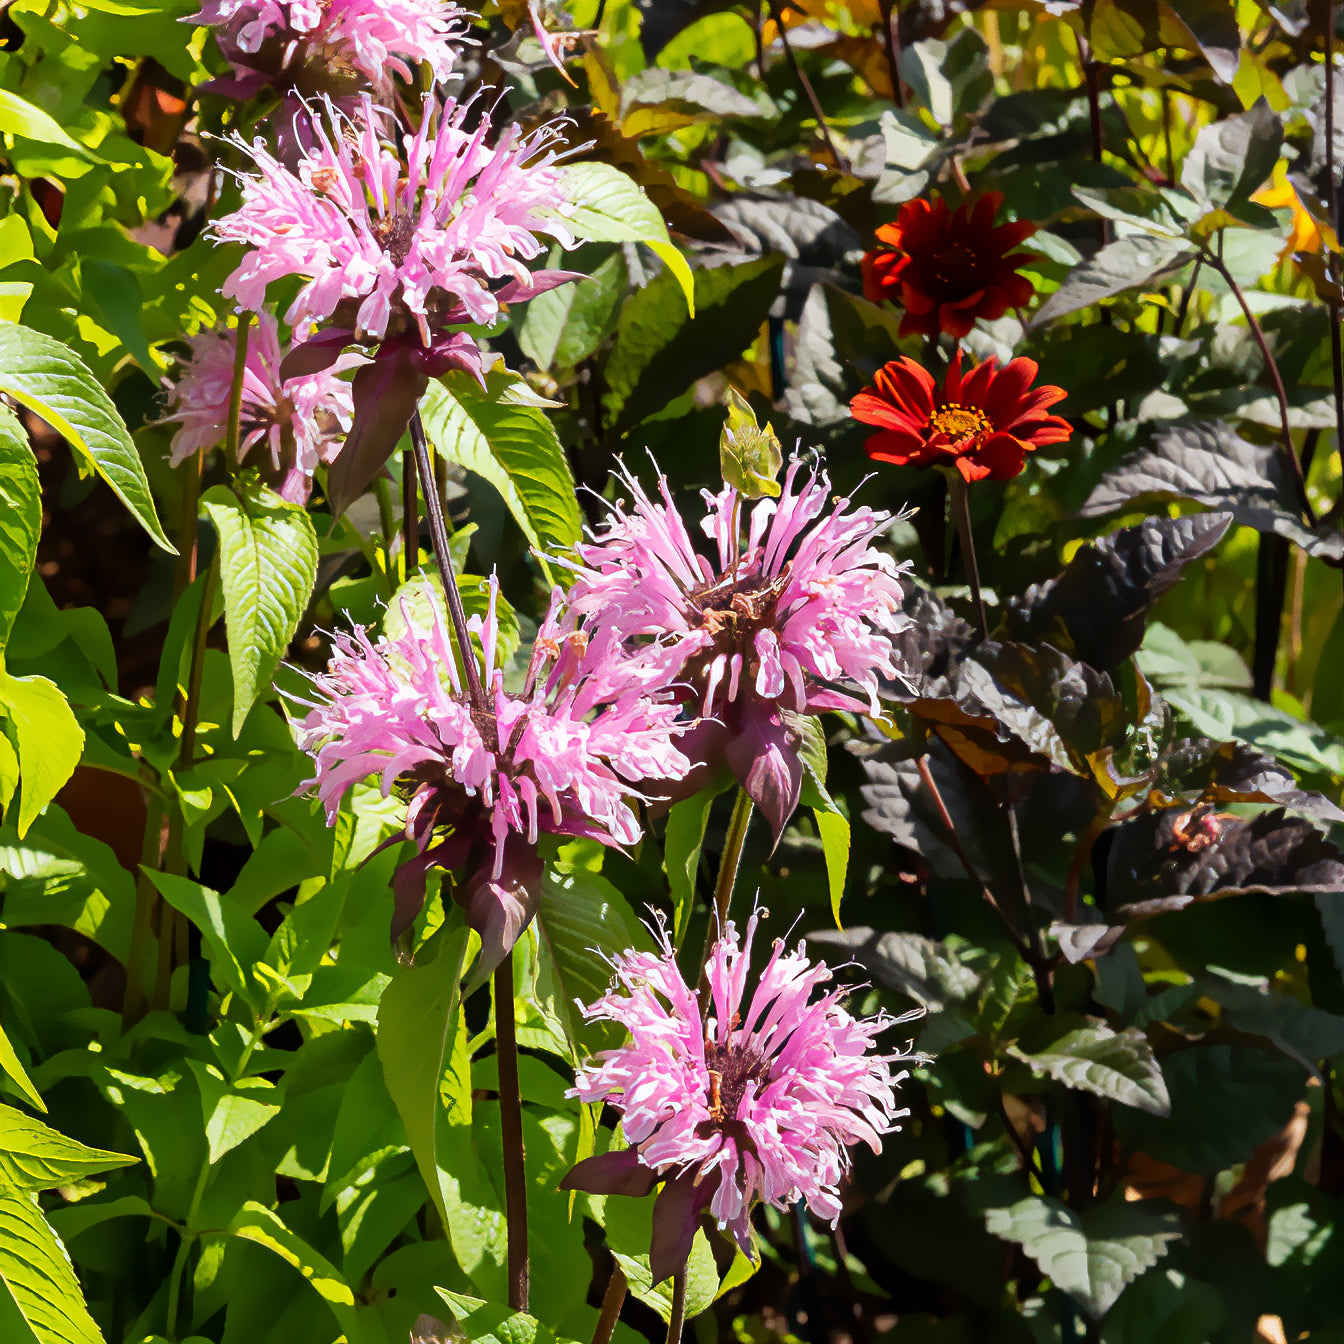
column 793, row 618
column 755, row 1095
column 564, row 756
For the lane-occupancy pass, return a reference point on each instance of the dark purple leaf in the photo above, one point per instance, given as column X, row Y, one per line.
column 620, row 1173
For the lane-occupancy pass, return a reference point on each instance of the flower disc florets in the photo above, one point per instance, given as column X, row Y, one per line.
column 748, row 1097
column 483, row 781
column 793, row 619
column 299, row 421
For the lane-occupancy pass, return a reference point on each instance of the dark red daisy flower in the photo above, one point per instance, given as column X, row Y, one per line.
column 947, row 268
column 983, row 423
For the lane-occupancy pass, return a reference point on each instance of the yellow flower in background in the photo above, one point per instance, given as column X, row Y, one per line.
column 1305, row 234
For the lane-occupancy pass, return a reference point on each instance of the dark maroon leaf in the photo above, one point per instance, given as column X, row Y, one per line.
column 1232, row 772
column 1210, row 464
column 315, row 355
column 1101, row 600
column 1169, row 858
column 620, row 1173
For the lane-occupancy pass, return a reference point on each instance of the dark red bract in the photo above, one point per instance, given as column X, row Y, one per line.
column 947, row 268
column 982, row 423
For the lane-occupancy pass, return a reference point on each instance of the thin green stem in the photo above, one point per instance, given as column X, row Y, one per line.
column 511, row 1132
column 958, row 501
column 184, row 1252
column 438, row 532
column 678, row 1318
column 236, row 391
column 738, row 825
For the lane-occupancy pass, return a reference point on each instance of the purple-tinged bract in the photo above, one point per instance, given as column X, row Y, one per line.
column 563, row 756
column 756, row 1097
column 795, row 618
column 297, row 422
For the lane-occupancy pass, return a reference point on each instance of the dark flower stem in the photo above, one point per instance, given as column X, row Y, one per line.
column 678, row 1317
column 438, row 532
column 1333, row 204
column 1015, row 936
column 612, row 1302
column 511, row 1132
column 800, row 75
column 410, row 515
column 958, row 501
column 891, row 37
column 1286, row 445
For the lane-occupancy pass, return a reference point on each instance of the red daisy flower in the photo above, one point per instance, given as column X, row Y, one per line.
column 983, row 423
column 947, row 268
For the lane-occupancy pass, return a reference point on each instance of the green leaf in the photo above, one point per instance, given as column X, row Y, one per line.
column 257, row 1223
column 492, row 1323
column 1226, row 1100
column 749, row 457
column 36, row 1269
column 833, row 827
column 629, row 1229
column 564, row 325
column 580, row 917
column 1232, row 157
column 1090, row 1057
column 233, row 1111
column 415, row 1023
column 50, row 740
column 660, row 350
column 1128, row 263
column 20, row 519
column 514, row 447
column 1090, row 1258
column 12, row 1067
column 54, row 383
column 234, row 941
column 610, row 207
column 682, row 842
column 18, row 117
column 1165, row 1307
column 268, row 565
column 33, row 1156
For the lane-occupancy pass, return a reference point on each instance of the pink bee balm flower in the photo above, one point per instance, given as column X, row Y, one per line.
column 399, row 247
column 798, row 619
column 307, row 48
column 563, row 756
column 298, row 422
column 748, row 1098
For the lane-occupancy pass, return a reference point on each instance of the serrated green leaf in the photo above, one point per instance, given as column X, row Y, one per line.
column 580, row 917
column 415, row 1024
column 49, row 739
column 12, row 1067
column 1091, row 1057
column 1090, row 1258
column 257, row 1223
column 610, row 207
column 20, row 519
column 36, row 1269
column 54, row 383
column 491, row 1323
column 565, row 325
column 33, row 1156
column 511, row 445
column 268, row 566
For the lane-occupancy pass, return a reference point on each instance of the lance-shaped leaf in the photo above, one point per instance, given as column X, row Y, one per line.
column 48, row 736
column 36, row 1273
column 12, row 1067
column 1090, row 1258
column 609, row 207
column 1101, row 600
column 268, row 566
column 1091, row 1057
column 20, row 117
column 1129, row 263
column 20, row 519
column 33, row 1156
column 54, row 383
column 490, row 1323
column 512, row 445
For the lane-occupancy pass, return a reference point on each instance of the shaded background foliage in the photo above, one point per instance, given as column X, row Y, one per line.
column 1099, row 848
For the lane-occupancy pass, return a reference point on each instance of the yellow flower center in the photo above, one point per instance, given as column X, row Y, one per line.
column 959, row 422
